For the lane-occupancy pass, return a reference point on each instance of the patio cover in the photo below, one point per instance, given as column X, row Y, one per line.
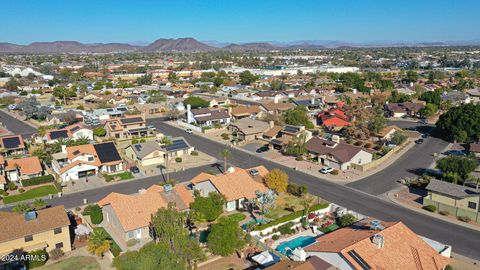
column 266, row 258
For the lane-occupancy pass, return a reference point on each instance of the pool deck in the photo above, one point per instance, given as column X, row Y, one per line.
column 303, row 233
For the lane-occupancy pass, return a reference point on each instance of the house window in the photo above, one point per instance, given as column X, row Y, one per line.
column 130, row 234
column 472, row 205
column 90, row 158
column 59, row 245
column 57, row 230
column 28, row 238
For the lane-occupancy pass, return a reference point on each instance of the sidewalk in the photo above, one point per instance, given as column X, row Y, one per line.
column 392, row 198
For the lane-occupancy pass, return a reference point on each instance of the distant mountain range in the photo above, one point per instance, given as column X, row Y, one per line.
column 193, row 45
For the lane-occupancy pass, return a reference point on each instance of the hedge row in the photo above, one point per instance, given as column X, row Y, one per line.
column 38, row 180
column 291, row 216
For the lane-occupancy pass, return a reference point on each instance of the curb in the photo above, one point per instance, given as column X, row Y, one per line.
column 391, row 197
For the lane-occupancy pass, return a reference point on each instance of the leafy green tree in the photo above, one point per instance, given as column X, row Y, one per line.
column 277, row 180
column 225, row 237
column 428, row 110
column 99, row 132
column 396, row 97
column 64, row 93
column 169, row 228
column 247, row 78
column 208, row 208
column 151, row 256
column 398, row 137
column 411, row 76
column 298, row 117
column 172, row 77
column 377, row 121
column 461, row 123
column 460, row 165
column 432, row 97
column 347, row 220
column 196, row 102
column 384, row 85
column 145, row 80
column 297, row 146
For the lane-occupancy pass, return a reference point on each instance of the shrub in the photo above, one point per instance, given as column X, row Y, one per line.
column 286, row 228
column 132, row 242
column 95, row 213
column 21, row 190
column 3, row 192
column 178, row 159
column 56, row 254
column 347, row 220
column 225, row 136
column 430, row 208
column 464, row 218
column 296, row 190
column 357, row 143
column 448, row 267
column 38, row 180
column 11, row 186
column 275, row 237
column 38, row 258
column 194, row 153
column 335, row 172
column 299, row 158
column 368, row 145
column 444, row 213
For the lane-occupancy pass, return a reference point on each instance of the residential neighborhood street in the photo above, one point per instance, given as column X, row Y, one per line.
column 16, row 126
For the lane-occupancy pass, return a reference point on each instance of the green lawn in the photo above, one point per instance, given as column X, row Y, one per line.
column 122, row 176
column 284, row 204
column 237, row 217
column 31, row 194
column 75, row 263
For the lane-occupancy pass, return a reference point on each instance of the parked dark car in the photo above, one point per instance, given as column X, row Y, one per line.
column 134, row 169
column 262, row 149
column 419, row 141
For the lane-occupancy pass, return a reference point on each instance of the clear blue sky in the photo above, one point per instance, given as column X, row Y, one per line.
column 25, row 21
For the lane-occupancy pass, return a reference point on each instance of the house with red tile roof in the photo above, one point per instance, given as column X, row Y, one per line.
column 236, row 185
column 333, row 118
column 379, row 245
column 22, row 168
column 128, row 217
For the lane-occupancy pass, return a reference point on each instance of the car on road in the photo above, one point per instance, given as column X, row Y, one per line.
column 12, row 107
column 419, row 141
column 151, row 127
column 262, row 149
column 326, row 170
column 254, row 172
column 134, row 169
column 411, row 128
column 425, row 135
column 454, row 153
column 189, row 130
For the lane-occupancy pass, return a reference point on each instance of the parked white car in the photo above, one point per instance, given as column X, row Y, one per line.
column 326, row 170
column 188, row 130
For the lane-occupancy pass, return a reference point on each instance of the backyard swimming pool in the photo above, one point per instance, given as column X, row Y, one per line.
column 301, row 241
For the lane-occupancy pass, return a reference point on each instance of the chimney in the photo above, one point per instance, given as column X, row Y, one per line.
column 312, row 101
column 378, row 240
column 336, row 138
column 271, row 123
column 231, row 169
column 354, row 90
column 142, row 191
column 64, row 149
column 275, row 99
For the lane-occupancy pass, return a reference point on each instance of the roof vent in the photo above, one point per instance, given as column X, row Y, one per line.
column 142, row 191
column 30, row 215
column 378, row 240
column 231, row 169
column 376, row 225
column 168, row 188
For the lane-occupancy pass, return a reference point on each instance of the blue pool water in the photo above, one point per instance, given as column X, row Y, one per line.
column 301, row 241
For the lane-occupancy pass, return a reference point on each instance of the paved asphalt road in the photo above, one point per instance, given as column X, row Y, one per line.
column 16, row 126
column 464, row 241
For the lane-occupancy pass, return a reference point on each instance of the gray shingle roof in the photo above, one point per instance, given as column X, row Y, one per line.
column 453, row 190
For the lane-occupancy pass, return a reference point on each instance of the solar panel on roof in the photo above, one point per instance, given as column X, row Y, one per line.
column 131, row 120
column 76, row 152
column 107, row 152
column 109, row 110
column 75, row 128
column 176, row 145
column 122, row 109
column 291, row 129
column 58, row 134
column 13, row 142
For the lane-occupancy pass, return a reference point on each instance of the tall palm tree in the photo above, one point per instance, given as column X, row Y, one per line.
column 82, row 140
column 306, row 203
column 225, row 153
column 166, row 141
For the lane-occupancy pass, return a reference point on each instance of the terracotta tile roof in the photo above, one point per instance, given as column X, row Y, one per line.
column 74, row 151
column 402, row 249
column 234, row 186
column 15, row 226
column 134, row 211
column 28, row 165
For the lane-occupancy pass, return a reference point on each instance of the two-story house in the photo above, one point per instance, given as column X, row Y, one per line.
column 127, row 127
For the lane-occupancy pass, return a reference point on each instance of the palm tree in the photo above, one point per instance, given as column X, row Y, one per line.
column 166, row 141
column 38, row 204
column 98, row 242
column 225, row 153
column 21, row 208
column 306, row 202
column 82, row 140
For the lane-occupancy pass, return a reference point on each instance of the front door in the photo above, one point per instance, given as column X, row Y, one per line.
column 138, row 233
